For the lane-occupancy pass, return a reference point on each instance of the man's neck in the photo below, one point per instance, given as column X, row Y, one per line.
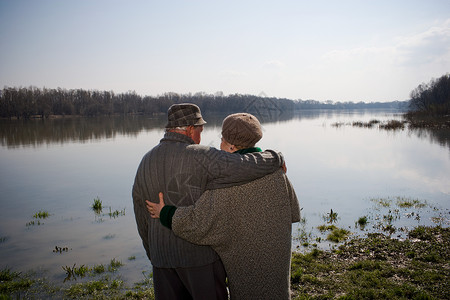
column 180, row 131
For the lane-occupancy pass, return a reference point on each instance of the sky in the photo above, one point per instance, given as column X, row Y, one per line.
column 346, row 50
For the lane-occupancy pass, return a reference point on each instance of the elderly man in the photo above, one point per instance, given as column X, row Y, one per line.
column 248, row 225
column 182, row 169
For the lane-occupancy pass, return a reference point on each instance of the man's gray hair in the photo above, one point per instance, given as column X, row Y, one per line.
column 177, row 128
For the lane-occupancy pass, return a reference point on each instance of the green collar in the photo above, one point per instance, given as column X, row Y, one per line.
column 248, row 150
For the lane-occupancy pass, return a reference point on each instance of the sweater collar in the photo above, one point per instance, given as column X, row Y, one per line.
column 177, row 137
column 248, row 150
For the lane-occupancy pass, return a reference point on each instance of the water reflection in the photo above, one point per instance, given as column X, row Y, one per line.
column 435, row 136
column 63, row 165
column 35, row 133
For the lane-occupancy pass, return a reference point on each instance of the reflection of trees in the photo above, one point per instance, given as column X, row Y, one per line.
column 438, row 136
column 215, row 119
column 310, row 114
column 14, row 133
column 37, row 132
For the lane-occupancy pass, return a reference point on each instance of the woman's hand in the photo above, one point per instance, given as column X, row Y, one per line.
column 155, row 208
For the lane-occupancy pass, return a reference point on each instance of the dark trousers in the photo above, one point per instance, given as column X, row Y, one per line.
column 196, row 283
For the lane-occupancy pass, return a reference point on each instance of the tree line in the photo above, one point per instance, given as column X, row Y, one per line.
column 25, row 103
column 32, row 102
column 432, row 98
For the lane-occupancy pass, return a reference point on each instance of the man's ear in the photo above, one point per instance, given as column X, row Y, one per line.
column 189, row 131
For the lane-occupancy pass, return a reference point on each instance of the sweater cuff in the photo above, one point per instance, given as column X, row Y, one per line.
column 166, row 214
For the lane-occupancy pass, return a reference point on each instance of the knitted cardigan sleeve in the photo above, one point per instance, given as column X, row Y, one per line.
column 295, row 206
column 201, row 223
column 229, row 169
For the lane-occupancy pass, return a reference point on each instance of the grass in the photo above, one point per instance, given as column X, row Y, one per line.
column 371, row 267
column 393, row 125
column 331, row 217
column 116, row 213
column 32, row 223
column 382, row 202
column 323, row 228
column 41, row 215
column 409, row 121
column 98, row 269
column 377, row 267
column 114, row 265
column 369, row 124
column 75, row 272
column 72, row 273
column 362, row 221
column 374, row 267
column 338, row 235
column 408, row 203
column 97, row 205
column 11, row 282
column 97, row 289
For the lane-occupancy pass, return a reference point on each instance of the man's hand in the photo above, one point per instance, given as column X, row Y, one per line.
column 155, row 208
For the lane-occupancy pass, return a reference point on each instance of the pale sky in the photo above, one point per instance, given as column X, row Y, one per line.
column 341, row 50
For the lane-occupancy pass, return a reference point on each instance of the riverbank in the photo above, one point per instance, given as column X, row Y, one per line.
column 373, row 267
column 377, row 267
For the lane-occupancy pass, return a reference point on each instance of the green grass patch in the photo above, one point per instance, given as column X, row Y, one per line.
column 382, row 202
column 114, row 265
column 362, row 221
column 74, row 272
column 32, row 223
column 12, row 282
column 372, row 267
column 377, row 267
column 408, row 203
column 13, row 285
column 338, row 235
column 38, row 216
column 97, row 205
column 331, row 217
column 41, row 215
column 116, row 213
column 98, row 269
column 97, row 289
column 323, row 228
column 393, row 125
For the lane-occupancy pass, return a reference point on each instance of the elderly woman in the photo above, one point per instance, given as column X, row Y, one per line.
column 249, row 225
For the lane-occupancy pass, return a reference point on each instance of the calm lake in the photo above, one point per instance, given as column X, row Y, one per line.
column 60, row 166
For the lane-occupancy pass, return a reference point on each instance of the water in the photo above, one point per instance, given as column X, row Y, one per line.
column 61, row 165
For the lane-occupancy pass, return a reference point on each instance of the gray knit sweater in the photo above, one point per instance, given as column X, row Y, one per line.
column 249, row 226
column 183, row 170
